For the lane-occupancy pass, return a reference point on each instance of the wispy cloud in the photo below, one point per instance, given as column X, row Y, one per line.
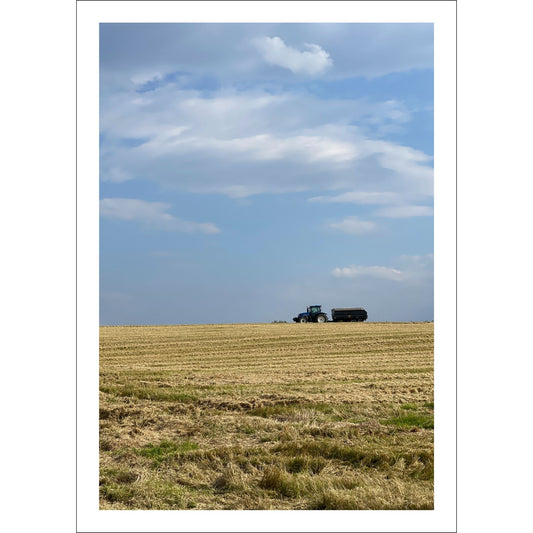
column 414, row 269
column 254, row 142
column 395, row 204
column 313, row 60
column 154, row 214
column 374, row 271
column 360, row 197
column 405, row 211
column 354, row 226
column 265, row 147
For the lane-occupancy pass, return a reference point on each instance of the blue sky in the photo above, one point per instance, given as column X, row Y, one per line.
column 250, row 170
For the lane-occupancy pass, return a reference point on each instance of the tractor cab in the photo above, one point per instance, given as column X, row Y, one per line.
column 314, row 310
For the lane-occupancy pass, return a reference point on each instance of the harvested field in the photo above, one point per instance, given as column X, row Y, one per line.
column 267, row 416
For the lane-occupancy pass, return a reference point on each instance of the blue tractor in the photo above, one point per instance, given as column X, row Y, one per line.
column 313, row 314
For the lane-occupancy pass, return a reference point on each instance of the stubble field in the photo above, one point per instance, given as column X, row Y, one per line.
column 267, row 416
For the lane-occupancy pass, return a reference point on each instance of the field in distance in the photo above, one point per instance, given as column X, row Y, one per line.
column 267, row 416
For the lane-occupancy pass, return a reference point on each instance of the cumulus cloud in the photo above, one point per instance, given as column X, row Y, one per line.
column 314, row 60
column 154, row 214
column 354, row 226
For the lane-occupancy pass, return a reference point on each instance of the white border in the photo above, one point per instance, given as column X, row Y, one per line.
column 89, row 517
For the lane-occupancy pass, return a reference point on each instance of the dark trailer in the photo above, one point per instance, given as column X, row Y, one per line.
column 349, row 314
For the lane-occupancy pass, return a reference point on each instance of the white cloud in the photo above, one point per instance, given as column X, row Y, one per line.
column 354, row 225
column 360, row 197
column 144, row 76
column 153, row 214
column 373, row 271
column 405, row 161
column 314, row 60
column 117, row 175
column 405, row 211
column 414, row 269
column 254, row 142
column 229, row 113
column 265, row 147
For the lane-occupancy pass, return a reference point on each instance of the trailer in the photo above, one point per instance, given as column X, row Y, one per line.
column 348, row 314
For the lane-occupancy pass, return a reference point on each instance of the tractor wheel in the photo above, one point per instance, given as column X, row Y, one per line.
column 321, row 318
column 303, row 320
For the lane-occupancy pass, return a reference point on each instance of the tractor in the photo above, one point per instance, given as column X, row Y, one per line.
column 313, row 314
